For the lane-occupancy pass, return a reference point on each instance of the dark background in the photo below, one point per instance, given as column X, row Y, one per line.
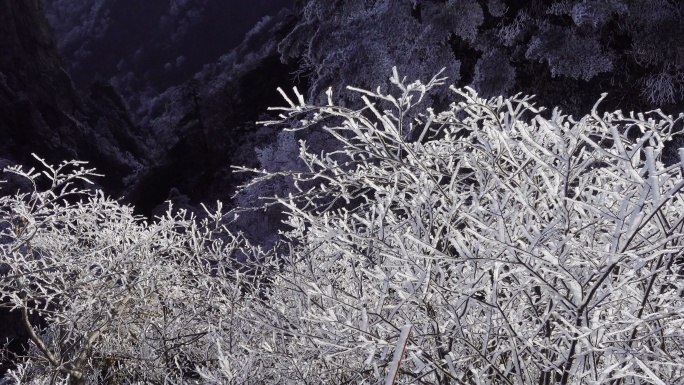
column 148, row 46
column 162, row 96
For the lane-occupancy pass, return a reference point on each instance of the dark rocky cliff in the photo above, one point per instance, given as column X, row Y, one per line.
column 42, row 113
column 35, row 91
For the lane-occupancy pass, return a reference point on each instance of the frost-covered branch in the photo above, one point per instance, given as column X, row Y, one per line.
column 521, row 247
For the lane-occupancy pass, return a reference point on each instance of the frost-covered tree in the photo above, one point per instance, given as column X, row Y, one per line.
column 567, row 52
column 502, row 245
column 358, row 41
column 105, row 297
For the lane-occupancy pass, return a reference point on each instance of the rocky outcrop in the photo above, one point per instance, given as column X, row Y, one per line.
column 145, row 47
column 42, row 113
column 35, row 91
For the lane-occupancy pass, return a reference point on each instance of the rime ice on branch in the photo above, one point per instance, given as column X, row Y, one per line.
column 522, row 247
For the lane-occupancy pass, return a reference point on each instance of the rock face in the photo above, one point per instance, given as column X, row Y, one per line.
column 145, row 47
column 41, row 112
column 34, row 88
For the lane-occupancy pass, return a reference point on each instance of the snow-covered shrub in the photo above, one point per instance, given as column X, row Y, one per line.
column 501, row 246
column 104, row 296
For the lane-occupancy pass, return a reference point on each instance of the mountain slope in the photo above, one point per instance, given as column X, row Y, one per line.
column 42, row 113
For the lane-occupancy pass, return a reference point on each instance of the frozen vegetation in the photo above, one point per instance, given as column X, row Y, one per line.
column 485, row 242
